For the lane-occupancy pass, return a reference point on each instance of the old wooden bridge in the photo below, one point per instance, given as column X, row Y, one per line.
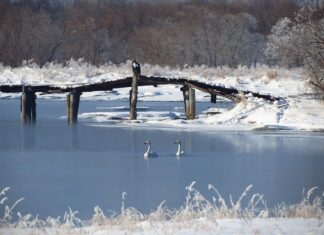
column 28, row 96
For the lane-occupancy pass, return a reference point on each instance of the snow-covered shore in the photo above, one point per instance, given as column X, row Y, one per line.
column 197, row 216
column 299, row 110
column 201, row 226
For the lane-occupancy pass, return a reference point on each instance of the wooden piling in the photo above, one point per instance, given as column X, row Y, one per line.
column 130, row 97
column 134, row 91
column 68, row 97
column 73, row 101
column 189, row 102
column 184, row 90
column 33, row 106
column 23, row 108
column 28, row 105
column 192, row 104
column 213, row 98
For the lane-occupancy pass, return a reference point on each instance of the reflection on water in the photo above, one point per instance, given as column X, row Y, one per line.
column 27, row 138
column 55, row 166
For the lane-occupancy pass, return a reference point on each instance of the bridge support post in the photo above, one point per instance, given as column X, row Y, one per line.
column 189, row 97
column 28, row 105
column 192, row 104
column 134, row 91
column 213, row 98
column 73, row 101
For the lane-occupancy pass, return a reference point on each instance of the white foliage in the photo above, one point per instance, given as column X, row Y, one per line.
column 300, row 42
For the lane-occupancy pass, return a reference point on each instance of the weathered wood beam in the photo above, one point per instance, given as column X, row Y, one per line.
column 36, row 88
column 73, row 101
column 189, row 102
column 192, row 104
column 28, row 105
column 23, row 107
column 213, row 98
column 229, row 93
column 134, row 91
column 184, row 90
column 68, row 107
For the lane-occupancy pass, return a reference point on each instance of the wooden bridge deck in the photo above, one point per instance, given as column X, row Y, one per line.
column 229, row 93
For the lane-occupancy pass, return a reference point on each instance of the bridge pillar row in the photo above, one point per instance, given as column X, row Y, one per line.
column 189, row 97
column 28, row 105
column 73, row 101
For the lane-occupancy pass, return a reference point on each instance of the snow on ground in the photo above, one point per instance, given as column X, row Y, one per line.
column 191, row 227
column 197, row 216
column 297, row 111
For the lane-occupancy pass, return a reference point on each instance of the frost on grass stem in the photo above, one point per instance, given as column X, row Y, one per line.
column 7, row 216
column 70, row 219
column 123, row 202
column 3, row 193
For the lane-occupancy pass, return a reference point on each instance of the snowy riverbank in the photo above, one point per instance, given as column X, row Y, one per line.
column 298, row 110
column 197, row 216
column 202, row 227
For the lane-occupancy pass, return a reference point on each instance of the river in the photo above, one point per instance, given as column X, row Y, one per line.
column 54, row 166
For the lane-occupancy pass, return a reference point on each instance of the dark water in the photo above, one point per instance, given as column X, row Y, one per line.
column 54, row 166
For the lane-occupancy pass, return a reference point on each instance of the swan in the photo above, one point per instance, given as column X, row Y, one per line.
column 148, row 152
column 179, row 152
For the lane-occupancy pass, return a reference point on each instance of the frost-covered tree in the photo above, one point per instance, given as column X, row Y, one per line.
column 300, row 41
column 279, row 47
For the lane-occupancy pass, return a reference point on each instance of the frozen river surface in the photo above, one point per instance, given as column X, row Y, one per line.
column 54, row 166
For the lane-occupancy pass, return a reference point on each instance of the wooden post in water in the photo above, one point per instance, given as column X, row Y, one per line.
column 133, row 93
column 130, row 97
column 189, row 101
column 28, row 105
column 213, row 98
column 68, row 98
column 23, row 104
column 192, row 104
column 184, row 90
column 73, row 100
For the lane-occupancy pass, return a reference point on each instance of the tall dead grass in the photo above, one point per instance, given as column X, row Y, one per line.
column 195, row 207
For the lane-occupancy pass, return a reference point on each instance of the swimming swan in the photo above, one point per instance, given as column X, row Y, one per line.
column 179, row 152
column 148, row 152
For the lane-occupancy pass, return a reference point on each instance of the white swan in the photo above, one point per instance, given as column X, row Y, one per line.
column 148, row 152
column 179, row 152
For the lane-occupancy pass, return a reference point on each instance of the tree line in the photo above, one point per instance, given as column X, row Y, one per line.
column 195, row 32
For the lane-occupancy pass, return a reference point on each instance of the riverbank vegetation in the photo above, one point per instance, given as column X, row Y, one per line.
column 198, row 214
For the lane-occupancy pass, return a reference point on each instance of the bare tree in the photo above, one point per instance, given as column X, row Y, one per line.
column 214, row 33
